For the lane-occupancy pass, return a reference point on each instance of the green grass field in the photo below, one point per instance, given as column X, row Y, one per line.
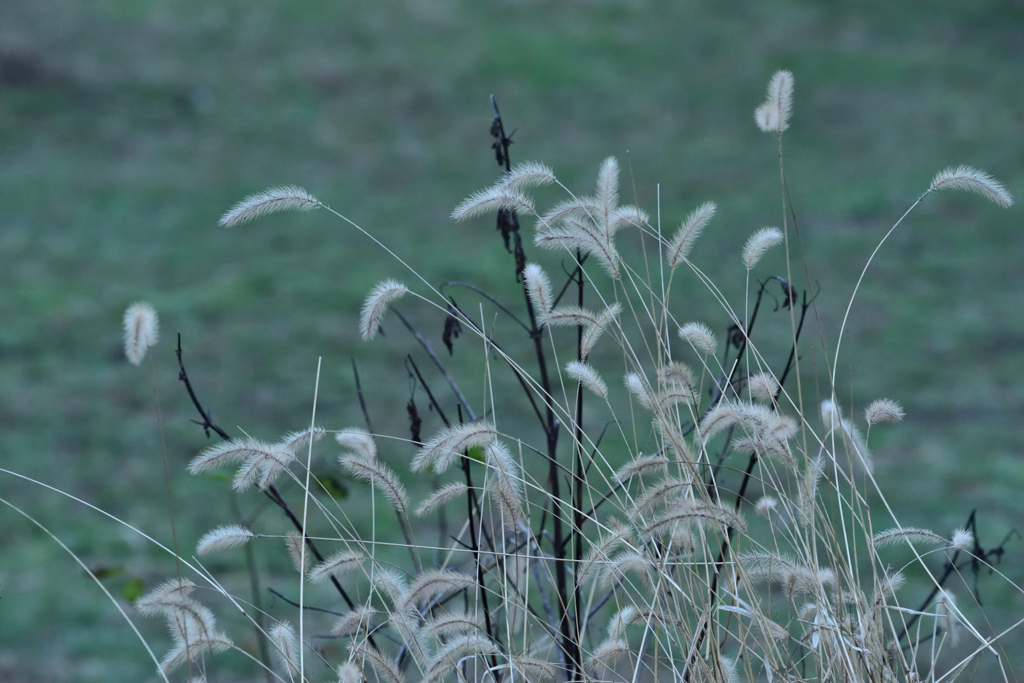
column 127, row 128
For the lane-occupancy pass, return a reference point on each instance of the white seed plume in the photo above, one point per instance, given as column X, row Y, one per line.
column 667, row 490
column 349, row 673
column 272, row 200
column 538, row 288
column 222, row 538
column 641, row 464
column 765, row 506
column 532, row 670
column 141, row 331
column 773, row 115
column 763, row 386
column 456, row 649
column 300, row 559
column 607, row 193
column 889, row 584
column 380, row 476
column 376, row 305
column 506, row 485
column 605, row 656
column 353, row 621
column 700, row 337
column 493, row 199
column 262, row 467
column 794, row 576
column 574, row 236
column 702, row 514
column 452, row 623
column 587, row 376
column 294, row 441
column 758, row 244
column 580, row 207
column 962, row 540
column 682, row 242
column 639, row 387
column 442, row 496
column 341, row 562
column 913, row 535
column 971, row 180
column 628, row 216
column 442, row 450
column 382, row 665
column 949, row 618
column 529, row 174
column 591, row 333
column 169, row 595
column 433, row 584
column 833, row 419
column 883, row 410
column 359, row 441
column 227, row 453
column 723, row 415
column 286, row 646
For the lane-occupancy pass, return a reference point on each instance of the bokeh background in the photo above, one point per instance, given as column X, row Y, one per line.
column 128, row 126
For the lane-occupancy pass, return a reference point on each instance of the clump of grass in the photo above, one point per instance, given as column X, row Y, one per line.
column 572, row 559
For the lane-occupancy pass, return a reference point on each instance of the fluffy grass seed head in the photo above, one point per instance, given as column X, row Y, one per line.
column 380, row 476
column 971, row 180
column 349, row 673
column 700, row 337
column 573, row 235
column 883, row 410
column 442, row 496
column 603, row 658
column 442, row 450
column 538, row 288
column 591, row 333
column 141, row 331
column 528, row 174
column 293, row 441
column 641, row 389
column 300, row 560
column 773, row 115
column 962, row 540
column 532, row 670
column 493, row 199
column 569, row 315
column 383, row 665
column 286, row 647
column 765, row 506
column 641, row 464
column 586, row 375
column 272, row 200
column 376, row 305
column 359, row 441
column 355, row 620
column 341, row 562
column 758, row 244
column 949, row 619
column 682, row 242
column 907, row 534
column 763, row 386
column 223, row 538
column 433, row 584
column 169, row 595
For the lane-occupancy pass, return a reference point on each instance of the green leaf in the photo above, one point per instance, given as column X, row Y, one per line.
column 475, row 453
column 133, row 589
column 106, row 571
column 335, row 489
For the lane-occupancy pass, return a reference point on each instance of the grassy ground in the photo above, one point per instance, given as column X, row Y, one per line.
column 126, row 128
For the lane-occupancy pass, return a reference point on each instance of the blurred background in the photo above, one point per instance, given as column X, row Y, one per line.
column 127, row 127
